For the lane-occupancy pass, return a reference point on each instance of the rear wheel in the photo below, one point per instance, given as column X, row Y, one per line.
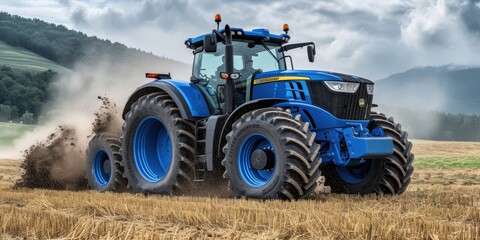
column 158, row 146
column 104, row 171
column 270, row 154
column 390, row 175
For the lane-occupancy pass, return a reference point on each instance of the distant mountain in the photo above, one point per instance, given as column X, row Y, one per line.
column 451, row 89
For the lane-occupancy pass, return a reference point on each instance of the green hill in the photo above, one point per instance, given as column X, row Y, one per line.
column 20, row 58
column 69, row 47
column 33, row 51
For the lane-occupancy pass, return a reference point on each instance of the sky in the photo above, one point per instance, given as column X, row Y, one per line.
column 368, row 38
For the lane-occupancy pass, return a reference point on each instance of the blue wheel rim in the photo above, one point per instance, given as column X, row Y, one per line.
column 101, row 175
column 152, row 149
column 254, row 177
column 357, row 174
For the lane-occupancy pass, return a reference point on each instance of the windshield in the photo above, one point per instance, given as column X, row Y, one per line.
column 248, row 58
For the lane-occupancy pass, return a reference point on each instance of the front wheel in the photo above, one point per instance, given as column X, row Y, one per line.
column 269, row 154
column 390, row 175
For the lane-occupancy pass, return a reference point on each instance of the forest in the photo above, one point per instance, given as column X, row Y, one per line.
column 24, row 93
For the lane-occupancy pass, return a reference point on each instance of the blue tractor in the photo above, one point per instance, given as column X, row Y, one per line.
column 246, row 114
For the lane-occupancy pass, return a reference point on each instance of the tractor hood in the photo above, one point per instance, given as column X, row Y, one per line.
column 312, row 75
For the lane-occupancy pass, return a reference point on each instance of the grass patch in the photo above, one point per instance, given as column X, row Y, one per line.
column 470, row 162
column 20, row 58
column 11, row 131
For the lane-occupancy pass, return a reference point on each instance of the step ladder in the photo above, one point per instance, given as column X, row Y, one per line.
column 200, row 158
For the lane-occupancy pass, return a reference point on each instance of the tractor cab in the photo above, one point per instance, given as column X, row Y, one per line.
column 250, row 57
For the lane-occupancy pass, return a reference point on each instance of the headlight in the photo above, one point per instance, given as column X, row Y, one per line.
column 345, row 87
column 370, row 89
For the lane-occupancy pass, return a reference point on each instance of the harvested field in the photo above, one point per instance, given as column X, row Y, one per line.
column 451, row 212
column 441, row 203
column 425, row 149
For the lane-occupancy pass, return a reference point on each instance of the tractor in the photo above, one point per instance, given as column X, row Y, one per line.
column 249, row 119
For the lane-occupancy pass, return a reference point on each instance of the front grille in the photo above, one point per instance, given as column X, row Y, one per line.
column 341, row 105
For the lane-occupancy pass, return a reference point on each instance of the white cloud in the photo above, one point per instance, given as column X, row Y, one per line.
column 429, row 23
column 368, row 38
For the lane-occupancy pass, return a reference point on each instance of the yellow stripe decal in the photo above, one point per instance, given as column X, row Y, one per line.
column 277, row 79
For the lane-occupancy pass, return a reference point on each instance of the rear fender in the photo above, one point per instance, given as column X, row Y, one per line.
column 188, row 98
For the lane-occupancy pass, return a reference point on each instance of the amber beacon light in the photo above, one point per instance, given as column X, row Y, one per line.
column 218, row 18
column 286, row 28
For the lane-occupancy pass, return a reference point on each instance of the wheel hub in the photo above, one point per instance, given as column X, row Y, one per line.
column 262, row 159
column 106, row 166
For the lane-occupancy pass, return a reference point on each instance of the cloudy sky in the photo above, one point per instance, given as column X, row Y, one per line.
column 369, row 38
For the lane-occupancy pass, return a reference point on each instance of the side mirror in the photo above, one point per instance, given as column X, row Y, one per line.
column 220, row 93
column 311, row 53
column 210, row 43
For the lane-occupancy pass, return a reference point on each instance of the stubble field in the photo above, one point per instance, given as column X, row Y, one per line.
column 442, row 202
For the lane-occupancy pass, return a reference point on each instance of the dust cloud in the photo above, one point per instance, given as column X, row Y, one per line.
column 418, row 123
column 89, row 100
column 54, row 163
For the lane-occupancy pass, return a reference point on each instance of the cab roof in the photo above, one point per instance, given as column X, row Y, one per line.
column 241, row 34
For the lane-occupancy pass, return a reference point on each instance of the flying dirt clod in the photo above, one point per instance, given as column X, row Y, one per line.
column 107, row 119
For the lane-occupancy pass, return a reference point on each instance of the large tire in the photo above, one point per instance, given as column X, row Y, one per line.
column 293, row 166
column 104, row 170
column 158, row 146
column 390, row 175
